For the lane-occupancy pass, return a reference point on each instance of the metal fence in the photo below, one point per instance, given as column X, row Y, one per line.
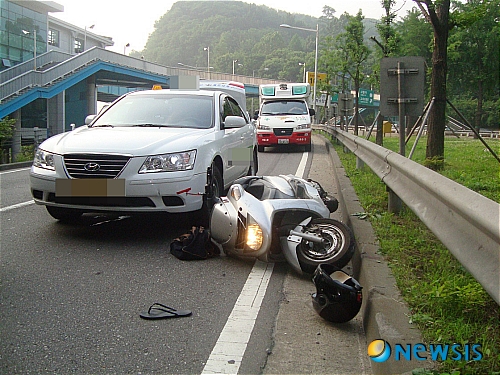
column 467, row 223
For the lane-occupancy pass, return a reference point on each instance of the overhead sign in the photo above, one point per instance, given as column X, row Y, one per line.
column 320, row 78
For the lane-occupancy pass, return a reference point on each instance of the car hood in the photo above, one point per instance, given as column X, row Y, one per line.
column 135, row 141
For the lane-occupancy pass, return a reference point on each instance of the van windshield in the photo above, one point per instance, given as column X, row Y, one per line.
column 284, row 107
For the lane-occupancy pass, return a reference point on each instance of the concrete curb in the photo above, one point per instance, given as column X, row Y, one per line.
column 23, row 164
column 385, row 314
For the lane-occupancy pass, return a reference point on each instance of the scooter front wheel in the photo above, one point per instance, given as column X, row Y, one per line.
column 337, row 247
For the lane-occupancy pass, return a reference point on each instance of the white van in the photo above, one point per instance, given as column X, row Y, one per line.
column 284, row 117
column 233, row 88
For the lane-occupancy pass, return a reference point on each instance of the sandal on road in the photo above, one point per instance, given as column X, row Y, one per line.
column 159, row 311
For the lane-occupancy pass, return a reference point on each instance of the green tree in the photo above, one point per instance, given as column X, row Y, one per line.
column 389, row 45
column 437, row 13
column 355, row 53
column 390, row 39
column 473, row 55
column 415, row 35
column 7, row 127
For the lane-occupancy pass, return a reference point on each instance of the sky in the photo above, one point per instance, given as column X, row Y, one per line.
column 131, row 22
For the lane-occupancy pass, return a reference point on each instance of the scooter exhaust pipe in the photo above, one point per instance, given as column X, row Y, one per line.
column 307, row 236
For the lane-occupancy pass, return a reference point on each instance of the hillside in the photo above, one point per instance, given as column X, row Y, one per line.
column 235, row 30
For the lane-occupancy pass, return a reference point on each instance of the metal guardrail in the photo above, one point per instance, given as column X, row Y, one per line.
column 467, row 223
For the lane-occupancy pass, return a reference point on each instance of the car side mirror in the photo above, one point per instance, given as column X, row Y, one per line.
column 89, row 119
column 232, row 122
column 256, row 115
column 312, row 112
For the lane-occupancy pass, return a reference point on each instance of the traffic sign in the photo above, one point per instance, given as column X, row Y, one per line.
column 365, row 97
column 405, row 85
column 320, row 78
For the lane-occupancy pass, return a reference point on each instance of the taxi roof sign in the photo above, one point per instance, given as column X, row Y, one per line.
column 157, row 87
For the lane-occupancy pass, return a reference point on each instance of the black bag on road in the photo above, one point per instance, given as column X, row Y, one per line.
column 194, row 245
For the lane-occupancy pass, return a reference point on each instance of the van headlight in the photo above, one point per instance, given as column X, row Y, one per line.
column 179, row 161
column 263, row 127
column 303, row 126
column 44, row 159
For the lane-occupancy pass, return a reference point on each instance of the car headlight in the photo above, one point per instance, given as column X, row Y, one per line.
column 263, row 127
column 179, row 161
column 44, row 159
column 303, row 126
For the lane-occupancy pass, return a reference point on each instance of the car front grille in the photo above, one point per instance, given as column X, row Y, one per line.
column 94, row 166
column 103, row 201
column 283, row 132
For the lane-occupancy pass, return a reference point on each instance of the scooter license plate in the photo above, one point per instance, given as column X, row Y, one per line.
column 283, row 141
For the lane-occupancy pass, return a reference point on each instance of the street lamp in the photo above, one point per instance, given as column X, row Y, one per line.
column 315, row 57
column 85, row 37
column 34, row 46
column 125, row 47
column 234, row 61
column 304, row 65
column 208, row 59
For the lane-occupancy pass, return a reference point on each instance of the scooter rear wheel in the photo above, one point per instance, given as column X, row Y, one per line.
column 337, row 249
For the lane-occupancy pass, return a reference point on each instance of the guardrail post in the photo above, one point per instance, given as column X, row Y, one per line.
column 395, row 204
column 360, row 164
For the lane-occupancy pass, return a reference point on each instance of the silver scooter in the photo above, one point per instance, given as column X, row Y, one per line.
column 276, row 217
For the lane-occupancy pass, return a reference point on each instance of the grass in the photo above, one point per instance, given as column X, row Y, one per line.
column 447, row 304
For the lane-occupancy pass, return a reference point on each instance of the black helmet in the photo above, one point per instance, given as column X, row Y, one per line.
column 338, row 296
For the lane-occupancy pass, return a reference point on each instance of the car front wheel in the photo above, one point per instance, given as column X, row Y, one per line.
column 202, row 216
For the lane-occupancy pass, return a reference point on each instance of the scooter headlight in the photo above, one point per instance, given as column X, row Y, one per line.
column 254, row 236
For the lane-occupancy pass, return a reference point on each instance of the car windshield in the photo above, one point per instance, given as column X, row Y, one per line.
column 284, row 107
column 168, row 110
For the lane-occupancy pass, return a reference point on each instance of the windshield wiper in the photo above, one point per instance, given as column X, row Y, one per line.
column 151, row 125
column 102, row 126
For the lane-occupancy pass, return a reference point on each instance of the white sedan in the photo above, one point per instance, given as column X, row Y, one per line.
column 149, row 151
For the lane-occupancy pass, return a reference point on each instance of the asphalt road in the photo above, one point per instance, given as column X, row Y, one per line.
column 71, row 295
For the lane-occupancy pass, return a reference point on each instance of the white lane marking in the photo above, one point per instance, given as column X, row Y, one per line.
column 227, row 354
column 302, row 165
column 19, row 205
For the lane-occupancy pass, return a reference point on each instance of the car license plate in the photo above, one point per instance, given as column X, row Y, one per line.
column 90, row 187
column 283, row 141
